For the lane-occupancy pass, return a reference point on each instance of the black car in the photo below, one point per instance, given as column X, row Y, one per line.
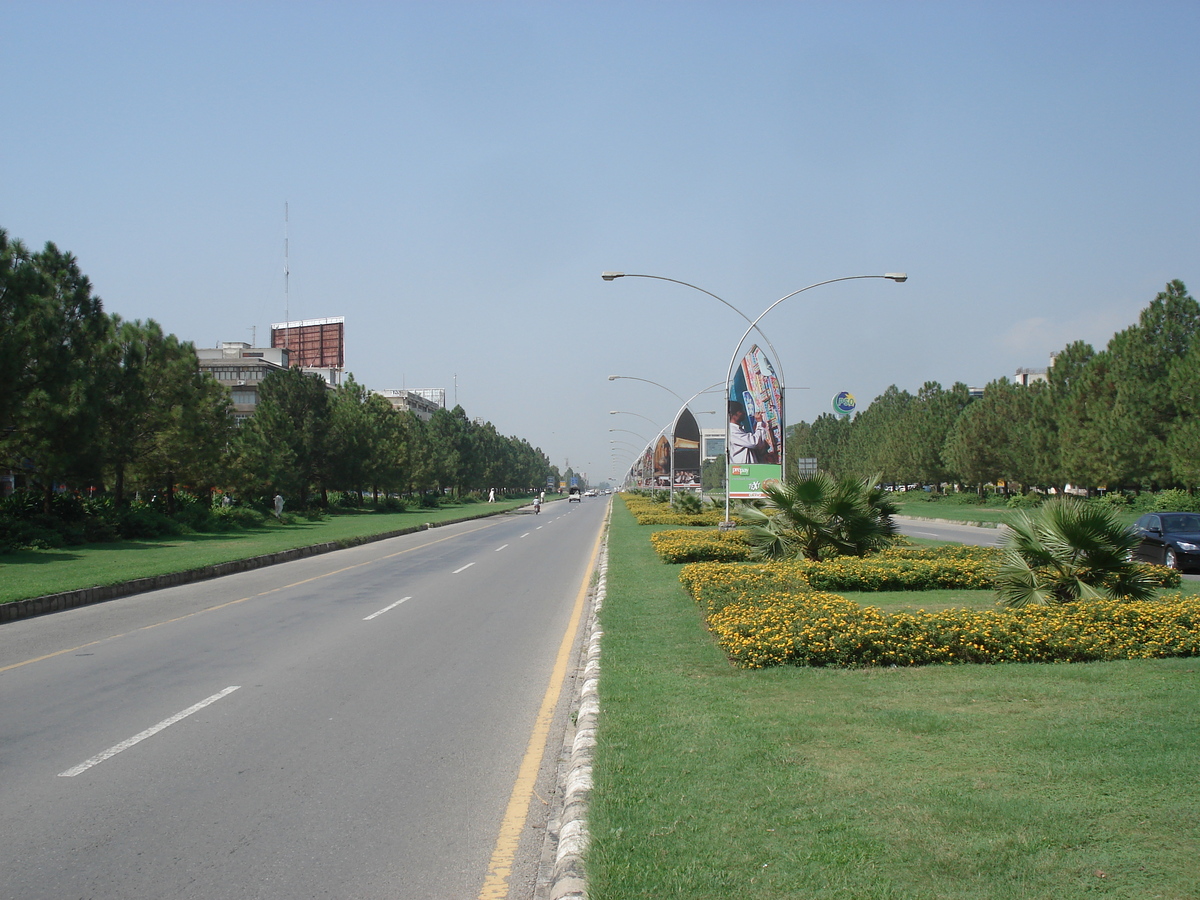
column 1169, row 539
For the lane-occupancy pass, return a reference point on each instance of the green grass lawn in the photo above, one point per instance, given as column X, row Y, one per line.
column 35, row 573
column 936, row 783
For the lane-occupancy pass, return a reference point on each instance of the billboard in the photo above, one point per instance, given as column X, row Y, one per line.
column 755, row 426
column 662, row 462
column 313, row 343
column 685, row 449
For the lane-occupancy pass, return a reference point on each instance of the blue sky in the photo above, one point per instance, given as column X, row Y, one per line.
column 458, row 174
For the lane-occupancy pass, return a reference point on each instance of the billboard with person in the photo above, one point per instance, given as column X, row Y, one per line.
column 755, row 407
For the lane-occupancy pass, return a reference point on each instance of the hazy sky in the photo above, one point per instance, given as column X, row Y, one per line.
column 459, row 174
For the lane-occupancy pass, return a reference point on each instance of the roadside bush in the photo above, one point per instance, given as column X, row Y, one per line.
column 1167, row 501
column 1032, row 500
column 231, row 518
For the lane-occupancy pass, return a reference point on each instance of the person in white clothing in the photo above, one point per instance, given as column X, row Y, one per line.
column 745, row 446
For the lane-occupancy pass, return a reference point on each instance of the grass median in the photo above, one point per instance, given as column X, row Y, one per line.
column 36, row 573
column 988, row 782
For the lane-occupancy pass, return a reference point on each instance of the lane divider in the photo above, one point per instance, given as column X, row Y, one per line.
column 149, row 732
column 463, row 568
column 385, row 609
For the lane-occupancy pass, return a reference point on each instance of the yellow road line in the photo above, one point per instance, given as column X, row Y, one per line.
column 209, row 609
column 495, row 885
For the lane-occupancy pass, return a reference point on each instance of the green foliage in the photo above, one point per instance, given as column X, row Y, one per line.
column 817, row 515
column 1032, row 500
column 1172, row 500
column 1068, row 551
column 688, row 503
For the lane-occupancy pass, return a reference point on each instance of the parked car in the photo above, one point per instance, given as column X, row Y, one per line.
column 1169, row 538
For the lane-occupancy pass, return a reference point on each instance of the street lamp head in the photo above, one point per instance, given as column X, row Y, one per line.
column 898, row 277
column 609, row 276
column 613, row 377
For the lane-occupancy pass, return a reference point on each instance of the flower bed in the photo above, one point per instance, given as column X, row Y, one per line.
column 650, row 512
column 700, row 545
column 822, row 629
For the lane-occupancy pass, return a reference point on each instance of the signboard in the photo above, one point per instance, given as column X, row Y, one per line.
column 312, row 343
column 685, row 452
column 755, row 426
column 844, row 403
column 746, row 481
column 662, row 462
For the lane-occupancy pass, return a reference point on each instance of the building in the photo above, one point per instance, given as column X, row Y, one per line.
column 241, row 368
column 417, row 401
column 1029, row 376
column 712, row 441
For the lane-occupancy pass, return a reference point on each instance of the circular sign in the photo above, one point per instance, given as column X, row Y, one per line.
column 844, row 403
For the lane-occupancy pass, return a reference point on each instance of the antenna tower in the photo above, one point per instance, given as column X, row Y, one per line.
column 287, row 300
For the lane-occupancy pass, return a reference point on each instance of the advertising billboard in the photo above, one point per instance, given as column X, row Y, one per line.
column 313, row 343
column 755, row 426
column 662, row 462
column 685, row 449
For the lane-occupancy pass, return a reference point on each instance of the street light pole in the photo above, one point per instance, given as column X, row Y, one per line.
column 898, row 277
column 610, row 276
column 647, row 380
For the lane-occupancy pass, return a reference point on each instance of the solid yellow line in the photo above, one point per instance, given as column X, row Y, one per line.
column 208, row 609
column 495, row 885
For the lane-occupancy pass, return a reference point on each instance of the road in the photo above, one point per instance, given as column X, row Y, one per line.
column 968, row 534
column 948, row 531
column 345, row 726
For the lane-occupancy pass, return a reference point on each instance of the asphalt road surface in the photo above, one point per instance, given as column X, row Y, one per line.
column 948, row 531
column 968, row 534
column 347, row 726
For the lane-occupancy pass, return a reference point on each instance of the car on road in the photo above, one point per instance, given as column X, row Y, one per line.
column 574, row 496
column 1170, row 539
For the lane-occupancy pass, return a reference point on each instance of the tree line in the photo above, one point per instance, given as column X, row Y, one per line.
column 1126, row 417
column 94, row 402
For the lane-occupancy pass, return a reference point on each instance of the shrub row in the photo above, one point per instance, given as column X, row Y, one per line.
column 822, row 629
column 714, row 584
column 701, row 545
column 649, row 511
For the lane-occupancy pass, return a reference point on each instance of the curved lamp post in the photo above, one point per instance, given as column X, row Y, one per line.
column 611, row 276
column 898, row 277
column 625, row 412
column 648, row 381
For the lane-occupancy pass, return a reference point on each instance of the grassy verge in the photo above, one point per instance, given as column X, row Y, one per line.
column 952, row 782
column 35, row 573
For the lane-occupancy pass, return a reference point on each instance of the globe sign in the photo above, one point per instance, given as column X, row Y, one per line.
column 844, row 403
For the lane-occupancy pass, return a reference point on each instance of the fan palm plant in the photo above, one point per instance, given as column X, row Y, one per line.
column 1069, row 550
column 815, row 514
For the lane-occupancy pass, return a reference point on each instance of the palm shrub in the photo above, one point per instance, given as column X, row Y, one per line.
column 688, row 503
column 811, row 515
column 1069, row 550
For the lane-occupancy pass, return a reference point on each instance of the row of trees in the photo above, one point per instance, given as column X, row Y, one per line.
column 1125, row 417
column 91, row 400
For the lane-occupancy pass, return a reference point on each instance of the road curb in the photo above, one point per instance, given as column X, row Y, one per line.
column 50, row 603
column 951, row 521
column 570, row 834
